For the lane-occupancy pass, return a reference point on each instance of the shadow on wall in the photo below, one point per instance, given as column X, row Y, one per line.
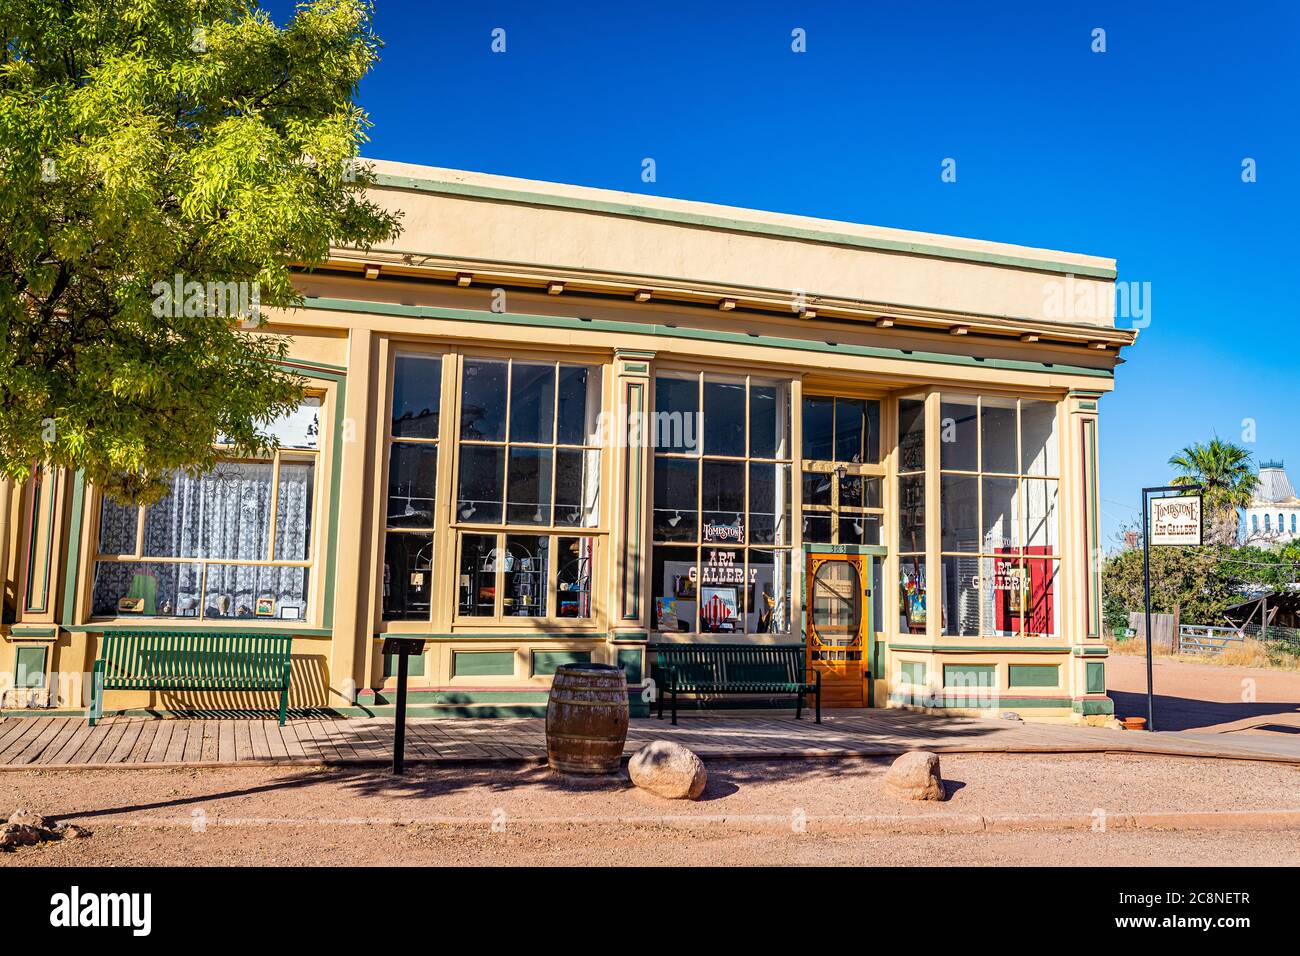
column 308, row 690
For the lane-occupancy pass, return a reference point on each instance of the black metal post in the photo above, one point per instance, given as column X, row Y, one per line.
column 1146, row 587
column 1146, row 604
column 399, row 724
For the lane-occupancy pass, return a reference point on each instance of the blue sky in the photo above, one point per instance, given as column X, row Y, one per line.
column 1135, row 153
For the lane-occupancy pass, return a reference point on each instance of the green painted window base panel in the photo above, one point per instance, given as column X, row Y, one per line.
column 1093, row 708
column 994, row 703
column 1033, row 675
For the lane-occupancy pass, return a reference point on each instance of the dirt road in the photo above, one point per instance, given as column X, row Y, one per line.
column 802, row 812
column 1207, row 697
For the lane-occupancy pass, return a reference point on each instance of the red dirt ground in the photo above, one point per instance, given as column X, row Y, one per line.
column 437, row 816
column 1207, row 697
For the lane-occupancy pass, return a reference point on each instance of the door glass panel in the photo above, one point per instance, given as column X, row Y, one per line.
column 837, row 602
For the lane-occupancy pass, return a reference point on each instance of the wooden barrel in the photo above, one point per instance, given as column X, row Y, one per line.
column 586, row 718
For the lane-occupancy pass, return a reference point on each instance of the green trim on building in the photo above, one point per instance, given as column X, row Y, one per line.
column 414, row 666
column 1092, row 525
column 630, row 659
column 44, row 508
column 175, row 625
column 633, row 547
column 1033, row 675
column 984, row 649
column 498, row 636
column 545, row 663
column 29, row 666
column 1084, row 651
column 710, row 221
column 46, row 631
column 985, row 676
column 705, row 335
column 483, row 664
column 913, row 673
column 1095, row 682
column 72, row 560
column 1094, row 708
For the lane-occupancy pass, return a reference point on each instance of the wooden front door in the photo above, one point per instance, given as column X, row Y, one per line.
column 839, row 620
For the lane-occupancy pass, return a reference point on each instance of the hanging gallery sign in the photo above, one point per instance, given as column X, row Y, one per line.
column 717, row 532
column 1176, row 521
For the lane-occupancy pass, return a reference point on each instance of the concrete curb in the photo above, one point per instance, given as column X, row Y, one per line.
column 1010, row 823
column 735, row 756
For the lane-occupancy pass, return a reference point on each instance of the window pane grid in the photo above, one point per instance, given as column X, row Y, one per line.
column 721, row 509
column 521, row 457
column 413, row 438
column 235, row 542
column 1005, row 585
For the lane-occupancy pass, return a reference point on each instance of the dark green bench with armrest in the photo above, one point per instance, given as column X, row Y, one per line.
column 190, row 660
column 735, row 669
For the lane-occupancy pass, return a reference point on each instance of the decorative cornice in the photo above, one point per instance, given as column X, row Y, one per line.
column 404, row 264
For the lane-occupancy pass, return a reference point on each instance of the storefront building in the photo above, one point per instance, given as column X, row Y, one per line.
column 558, row 424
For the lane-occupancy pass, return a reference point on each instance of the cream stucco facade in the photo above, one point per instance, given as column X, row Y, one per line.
column 958, row 400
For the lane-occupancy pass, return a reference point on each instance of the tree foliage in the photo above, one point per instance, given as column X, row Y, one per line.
column 145, row 140
column 1227, row 480
column 1201, row 582
column 1186, row 579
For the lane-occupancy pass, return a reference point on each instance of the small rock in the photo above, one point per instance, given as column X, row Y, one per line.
column 18, row 834
column 668, row 770
column 915, row 776
column 27, row 818
column 69, row 831
column 1010, row 715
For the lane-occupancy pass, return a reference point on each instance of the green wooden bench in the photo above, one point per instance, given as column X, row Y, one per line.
column 183, row 660
column 735, row 669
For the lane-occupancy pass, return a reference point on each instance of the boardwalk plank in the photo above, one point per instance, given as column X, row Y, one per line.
column 41, row 743
column 243, row 740
column 115, row 731
column 275, row 739
column 194, row 742
column 71, row 727
column 18, row 743
column 289, row 737
column 158, row 749
column 176, row 745
column 149, row 730
column 257, row 739
column 226, row 741
column 208, row 750
column 127, row 742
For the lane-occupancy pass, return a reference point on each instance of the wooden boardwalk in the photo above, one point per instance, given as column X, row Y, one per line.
column 67, row 742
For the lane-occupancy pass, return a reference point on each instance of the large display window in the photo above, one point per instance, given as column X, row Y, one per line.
column 721, row 504
column 529, row 457
column 234, row 542
column 998, row 492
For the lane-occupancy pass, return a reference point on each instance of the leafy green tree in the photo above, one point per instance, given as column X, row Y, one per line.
column 1189, row 580
column 1224, row 472
column 150, row 145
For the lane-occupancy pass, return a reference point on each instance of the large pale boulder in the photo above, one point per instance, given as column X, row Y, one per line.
column 27, row 818
column 668, row 770
column 915, row 776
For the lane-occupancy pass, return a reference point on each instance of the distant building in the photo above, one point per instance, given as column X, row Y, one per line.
column 1273, row 515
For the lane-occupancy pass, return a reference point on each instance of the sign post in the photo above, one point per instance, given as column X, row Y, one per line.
column 403, row 647
column 1171, row 521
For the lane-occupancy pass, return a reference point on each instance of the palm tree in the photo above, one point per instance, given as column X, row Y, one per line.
column 1227, row 480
